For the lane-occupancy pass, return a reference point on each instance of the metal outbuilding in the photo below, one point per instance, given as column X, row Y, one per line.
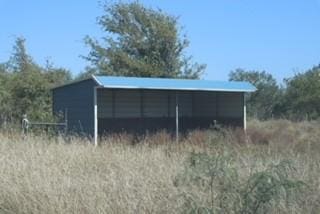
column 104, row 104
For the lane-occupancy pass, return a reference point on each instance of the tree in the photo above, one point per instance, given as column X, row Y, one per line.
column 262, row 102
column 56, row 76
column 141, row 42
column 302, row 96
column 31, row 95
column 20, row 61
column 29, row 84
column 4, row 93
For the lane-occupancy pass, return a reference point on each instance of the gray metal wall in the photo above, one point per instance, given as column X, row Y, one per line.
column 78, row 100
column 113, row 103
column 142, row 109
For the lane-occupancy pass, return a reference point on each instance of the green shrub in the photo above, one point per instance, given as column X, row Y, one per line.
column 217, row 176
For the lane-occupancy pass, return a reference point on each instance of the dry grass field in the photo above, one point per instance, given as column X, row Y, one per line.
column 274, row 169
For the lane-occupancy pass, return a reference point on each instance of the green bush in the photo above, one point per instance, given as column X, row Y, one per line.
column 217, row 176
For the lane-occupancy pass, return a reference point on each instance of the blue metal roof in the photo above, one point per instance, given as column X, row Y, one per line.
column 172, row 84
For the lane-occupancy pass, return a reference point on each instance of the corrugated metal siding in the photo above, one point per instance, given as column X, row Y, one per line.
column 196, row 109
column 104, row 103
column 78, row 100
column 171, row 103
column 155, row 104
column 230, row 105
column 205, row 104
column 185, row 100
column 127, row 103
column 185, row 104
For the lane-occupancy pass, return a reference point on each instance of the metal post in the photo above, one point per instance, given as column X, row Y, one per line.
column 177, row 117
column 244, row 113
column 95, row 116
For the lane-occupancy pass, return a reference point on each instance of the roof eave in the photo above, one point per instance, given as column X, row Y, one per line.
column 96, row 80
column 74, row 82
column 178, row 89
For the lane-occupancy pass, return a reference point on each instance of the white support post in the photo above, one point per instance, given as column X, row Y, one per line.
column 95, row 117
column 177, row 117
column 244, row 112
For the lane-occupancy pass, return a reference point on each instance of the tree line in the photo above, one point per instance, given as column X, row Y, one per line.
column 144, row 42
column 298, row 98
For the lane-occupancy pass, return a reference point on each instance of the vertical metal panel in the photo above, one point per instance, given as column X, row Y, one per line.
column 192, row 104
column 141, row 103
column 155, row 103
column 127, row 104
column 230, row 105
column 217, row 104
column 78, row 100
column 205, row 104
column 172, row 104
column 113, row 101
column 105, row 103
column 185, row 104
column 169, row 103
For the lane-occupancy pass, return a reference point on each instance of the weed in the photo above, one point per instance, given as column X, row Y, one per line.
column 218, row 177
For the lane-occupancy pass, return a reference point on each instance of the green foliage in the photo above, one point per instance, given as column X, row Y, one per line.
column 25, row 86
column 262, row 103
column 56, row 76
column 4, row 93
column 267, row 188
column 302, row 96
column 299, row 100
column 141, row 42
column 218, row 177
column 211, row 174
column 20, row 61
column 31, row 95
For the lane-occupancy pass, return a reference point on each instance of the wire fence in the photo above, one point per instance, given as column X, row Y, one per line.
column 49, row 128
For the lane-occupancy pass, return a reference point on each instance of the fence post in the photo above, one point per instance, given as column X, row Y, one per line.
column 25, row 125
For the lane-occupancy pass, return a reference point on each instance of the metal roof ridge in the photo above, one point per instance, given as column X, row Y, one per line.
column 70, row 83
column 174, row 79
column 96, row 80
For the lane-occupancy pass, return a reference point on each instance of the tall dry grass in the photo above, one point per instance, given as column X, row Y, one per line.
column 130, row 175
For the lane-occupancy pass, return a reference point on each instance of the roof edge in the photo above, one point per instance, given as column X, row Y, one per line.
column 73, row 82
column 181, row 89
column 96, row 80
